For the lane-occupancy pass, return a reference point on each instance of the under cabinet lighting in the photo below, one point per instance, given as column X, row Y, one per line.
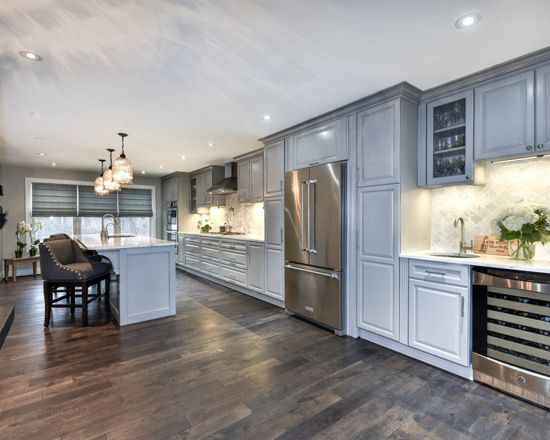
column 517, row 159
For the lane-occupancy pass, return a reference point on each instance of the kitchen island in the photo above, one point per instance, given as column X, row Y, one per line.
column 146, row 276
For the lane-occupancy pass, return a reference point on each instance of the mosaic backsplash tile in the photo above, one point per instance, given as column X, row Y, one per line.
column 507, row 185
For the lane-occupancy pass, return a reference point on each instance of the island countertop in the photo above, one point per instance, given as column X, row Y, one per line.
column 93, row 241
column 241, row 237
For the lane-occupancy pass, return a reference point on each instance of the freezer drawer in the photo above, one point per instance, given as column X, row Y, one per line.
column 314, row 293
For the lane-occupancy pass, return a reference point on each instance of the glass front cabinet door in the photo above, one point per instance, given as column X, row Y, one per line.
column 450, row 152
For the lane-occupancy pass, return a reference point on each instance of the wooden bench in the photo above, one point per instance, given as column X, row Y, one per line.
column 14, row 262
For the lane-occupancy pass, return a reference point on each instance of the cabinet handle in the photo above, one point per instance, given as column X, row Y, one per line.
column 281, row 185
column 528, row 147
column 462, row 307
column 313, row 163
column 281, row 236
column 439, row 274
column 540, row 146
column 467, row 177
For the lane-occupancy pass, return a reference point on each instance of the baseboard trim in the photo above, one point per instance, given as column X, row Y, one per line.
column 434, row 361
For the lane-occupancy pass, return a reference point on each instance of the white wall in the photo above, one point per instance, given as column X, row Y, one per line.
column 507, row 185
column 13, row 180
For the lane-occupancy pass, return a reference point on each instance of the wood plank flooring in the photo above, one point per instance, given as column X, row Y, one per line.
column 229, row 367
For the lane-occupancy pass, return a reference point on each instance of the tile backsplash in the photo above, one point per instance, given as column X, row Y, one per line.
column 507, row 185
column 244, row 217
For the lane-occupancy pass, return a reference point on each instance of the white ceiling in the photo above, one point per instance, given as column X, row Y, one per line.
column 177, row 75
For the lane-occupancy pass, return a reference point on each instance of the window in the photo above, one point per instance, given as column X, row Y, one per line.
column 75, row 209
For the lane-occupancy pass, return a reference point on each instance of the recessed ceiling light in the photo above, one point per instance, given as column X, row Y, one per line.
column 267, row 117
column 467, row 21
column 211, row 144
column 30, row 55
column 143, row 172
column 183, row 158
column 35, row 115
column 161, row 166
column 53, row 164
column 41, row 154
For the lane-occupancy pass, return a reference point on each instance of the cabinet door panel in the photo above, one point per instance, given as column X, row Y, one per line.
column 207, row 183
column 437, row 313
column 543, row 109
column 274, row 209
column 378, row 222
column 243, row 179
column 274, row 165
column 256, row 265
column 505, row 117
column 257, row 179
column 378, row 144
column 321, row 144
column 379, row 298
column 274, row 273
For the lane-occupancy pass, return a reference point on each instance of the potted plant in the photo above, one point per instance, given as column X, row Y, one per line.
column 524, row 227
column 204, row 226
column 36, row 226
column 22, row 228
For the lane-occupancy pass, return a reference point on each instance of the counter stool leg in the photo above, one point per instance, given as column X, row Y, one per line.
column 84, row 305
column 47, row 303
column 107, row 293
column 71, row 292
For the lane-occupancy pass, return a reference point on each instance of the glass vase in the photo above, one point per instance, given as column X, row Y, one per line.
column 522, row 250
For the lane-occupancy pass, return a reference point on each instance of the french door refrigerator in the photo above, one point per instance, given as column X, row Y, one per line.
column 314, row 223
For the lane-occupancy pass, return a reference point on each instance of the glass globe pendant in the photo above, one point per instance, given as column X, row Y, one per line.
column 122, row 167
column 109, row 183
column 99, row 189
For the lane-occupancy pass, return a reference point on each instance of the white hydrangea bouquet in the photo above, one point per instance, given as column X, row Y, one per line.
column 22, row 228
column 523, row 227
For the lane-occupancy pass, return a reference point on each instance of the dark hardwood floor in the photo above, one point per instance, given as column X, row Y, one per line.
column 229, row 367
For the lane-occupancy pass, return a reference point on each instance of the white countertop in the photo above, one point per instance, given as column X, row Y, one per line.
column 242, row 237
column 541, row 266
column 95, row 242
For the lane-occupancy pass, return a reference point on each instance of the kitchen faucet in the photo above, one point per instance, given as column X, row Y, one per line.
column 104, row 233
column 462, row 246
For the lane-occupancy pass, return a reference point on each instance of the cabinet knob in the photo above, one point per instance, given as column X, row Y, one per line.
column 528, row 147
column 540, row 146
column 467, row 177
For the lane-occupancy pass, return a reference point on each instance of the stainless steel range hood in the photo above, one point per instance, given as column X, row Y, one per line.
column 228, row 185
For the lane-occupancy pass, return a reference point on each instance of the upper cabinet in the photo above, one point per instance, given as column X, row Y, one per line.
column 274, row 168
column 450, row 146
column 543, row 109
column 505, row 117
column 200, row 182
column 378, row 144
column 250, row 177
column 169, row 186
column 321, row 144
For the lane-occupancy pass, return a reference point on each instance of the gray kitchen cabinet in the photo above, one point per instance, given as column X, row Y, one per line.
column 378, row 130
column 243, row 179
column 378, row 260
column 201, row 181
column 505, row 117
column 257, row 178
column 274, row 211
column 321, row 144
column 274, row 168
column 274, row 247
column 256, row 266
column 450, row 139
column 250, row 177
column 543, row 109
column 274, row 273
column 169, row 187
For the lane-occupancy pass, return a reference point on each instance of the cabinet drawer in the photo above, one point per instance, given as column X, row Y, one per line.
column 192, row 239
column 210, row 253
column 454, row 274
column 212, row 242
column 233, row 246
column 235, row 276
column 231, row 258
column 192, row 249
column 192, row 262
column 210, row 267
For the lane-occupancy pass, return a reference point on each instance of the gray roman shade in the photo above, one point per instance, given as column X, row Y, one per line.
column 135, row 202
column 92, row 205
column 54, row 199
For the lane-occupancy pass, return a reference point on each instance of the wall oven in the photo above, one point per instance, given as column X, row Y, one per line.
column 511, row 332
column 172, row 216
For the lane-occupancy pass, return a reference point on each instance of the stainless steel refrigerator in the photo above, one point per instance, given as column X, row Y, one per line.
column 314, row 225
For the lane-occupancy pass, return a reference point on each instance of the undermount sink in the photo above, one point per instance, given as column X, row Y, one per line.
column 454, row 255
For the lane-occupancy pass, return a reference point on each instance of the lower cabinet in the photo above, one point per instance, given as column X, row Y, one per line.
column 256, row 267
column 439, row 312
column 274, row 273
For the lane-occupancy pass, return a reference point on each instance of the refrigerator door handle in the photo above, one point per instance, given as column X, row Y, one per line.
column 334, row 275
column 311, row 240
column 303, row 184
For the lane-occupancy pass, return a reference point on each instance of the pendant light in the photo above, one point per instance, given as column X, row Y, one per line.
column 109, row 183
column 99, row 189
column 122, row 168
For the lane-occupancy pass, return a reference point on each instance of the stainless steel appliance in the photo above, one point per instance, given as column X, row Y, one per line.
column 228, row 185
column 511, row 332
column 172, row 216
column 314, row 225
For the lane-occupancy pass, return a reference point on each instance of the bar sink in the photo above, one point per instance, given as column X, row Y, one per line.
column 454, row 255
